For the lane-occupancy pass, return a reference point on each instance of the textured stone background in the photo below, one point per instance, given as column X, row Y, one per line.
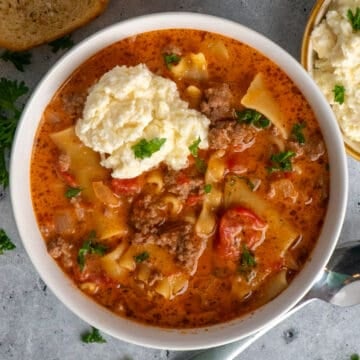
column 35, row 325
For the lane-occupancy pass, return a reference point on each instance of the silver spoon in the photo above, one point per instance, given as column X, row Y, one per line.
column 338, row 284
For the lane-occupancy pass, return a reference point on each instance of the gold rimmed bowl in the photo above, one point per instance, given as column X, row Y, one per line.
column 308, row 56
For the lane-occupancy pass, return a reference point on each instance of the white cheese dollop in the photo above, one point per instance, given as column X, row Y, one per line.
column 129, row 104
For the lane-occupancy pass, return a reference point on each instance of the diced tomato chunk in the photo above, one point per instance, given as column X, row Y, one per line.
column 239, row 226
column 127, row 186
column 194, row 199
column 235, row 163
column 182, row 179
column 67, row 178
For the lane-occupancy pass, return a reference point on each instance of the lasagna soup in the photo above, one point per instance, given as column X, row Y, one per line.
column 179, row 178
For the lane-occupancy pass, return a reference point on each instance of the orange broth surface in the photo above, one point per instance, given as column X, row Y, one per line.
column 298, row 196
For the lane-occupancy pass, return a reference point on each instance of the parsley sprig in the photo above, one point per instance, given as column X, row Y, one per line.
column 171, row 59
column 93, row 336
column 5, row 242
column 194, row 150
column 64, row 42
column 354, row 18
column 10, row 92
column 252, row 117
column 18, row 58
column 281, row 161
column 144, row 148
column 194, row 147
column 297, row 132
column 72, row 192
column 247, row 261
column 339, row 94
column 207, row 188
column 139, row 258
column 90, row 247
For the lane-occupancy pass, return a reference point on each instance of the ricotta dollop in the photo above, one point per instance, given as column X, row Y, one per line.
column 129, row 104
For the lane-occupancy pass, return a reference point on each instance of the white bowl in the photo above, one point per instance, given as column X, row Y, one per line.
column 62, row 286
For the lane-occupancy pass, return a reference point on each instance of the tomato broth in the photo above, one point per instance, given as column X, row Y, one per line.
column 208, row 243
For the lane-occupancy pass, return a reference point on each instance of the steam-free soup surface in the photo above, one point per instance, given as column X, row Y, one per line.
column 210, row 242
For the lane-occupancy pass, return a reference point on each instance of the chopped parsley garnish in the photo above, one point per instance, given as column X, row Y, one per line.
column 18, row 58
column 63, row 43
column 171, row 59
column 90, row 247
column 194, row 147
column 207, row 188
column 297, row 132
column 354, row 18
column 355, row 357
column 10, row 113
column 72, row 192
column 144, row 149
column 5, row 242
column 200, row 165
column 93, row 336
column 247, row 260
column 194, row 150
column 252, row 117
column 281, row 161
column 139, row 258
column 339, row 94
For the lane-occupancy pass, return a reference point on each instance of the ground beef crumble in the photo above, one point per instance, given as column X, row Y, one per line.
column 178, row 239
column 58, row 248
column 217, row 102
column 228, row 132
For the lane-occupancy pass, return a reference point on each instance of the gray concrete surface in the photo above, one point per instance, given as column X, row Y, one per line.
column 35, row 325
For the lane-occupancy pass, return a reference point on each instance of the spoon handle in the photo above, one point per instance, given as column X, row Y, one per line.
column 230, row 351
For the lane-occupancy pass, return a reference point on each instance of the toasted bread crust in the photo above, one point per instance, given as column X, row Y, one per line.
column 29, row 23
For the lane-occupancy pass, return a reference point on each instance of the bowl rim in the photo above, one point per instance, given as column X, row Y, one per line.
column 87, row 309
column 317, row 14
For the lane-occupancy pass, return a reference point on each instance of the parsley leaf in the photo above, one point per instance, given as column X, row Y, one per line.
column 194, row 150
column 72, row 192
column 64, row 42
column 194, row 147
column 4, row 174
column 339, row 94
column 281, row 161
column 90, row 247
column 144, row 149
column 93, row 336
column 207, row 188
column 200, row 165
column 247, row 261
column 355, row 357
column 18, row 58
column 354, row 18
column 171, row 59
column 297, row 132
column 139, row 258
column 252, row 117
column 5, row 242
column 10, row 113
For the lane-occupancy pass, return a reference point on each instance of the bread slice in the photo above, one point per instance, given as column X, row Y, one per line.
column 27, row 23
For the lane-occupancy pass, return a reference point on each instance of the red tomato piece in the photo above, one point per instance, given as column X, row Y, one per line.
column 182, row 179
column 235, row 164
column 194, row 199
column 239, row 226
column 126, row 186
column 67, row 178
